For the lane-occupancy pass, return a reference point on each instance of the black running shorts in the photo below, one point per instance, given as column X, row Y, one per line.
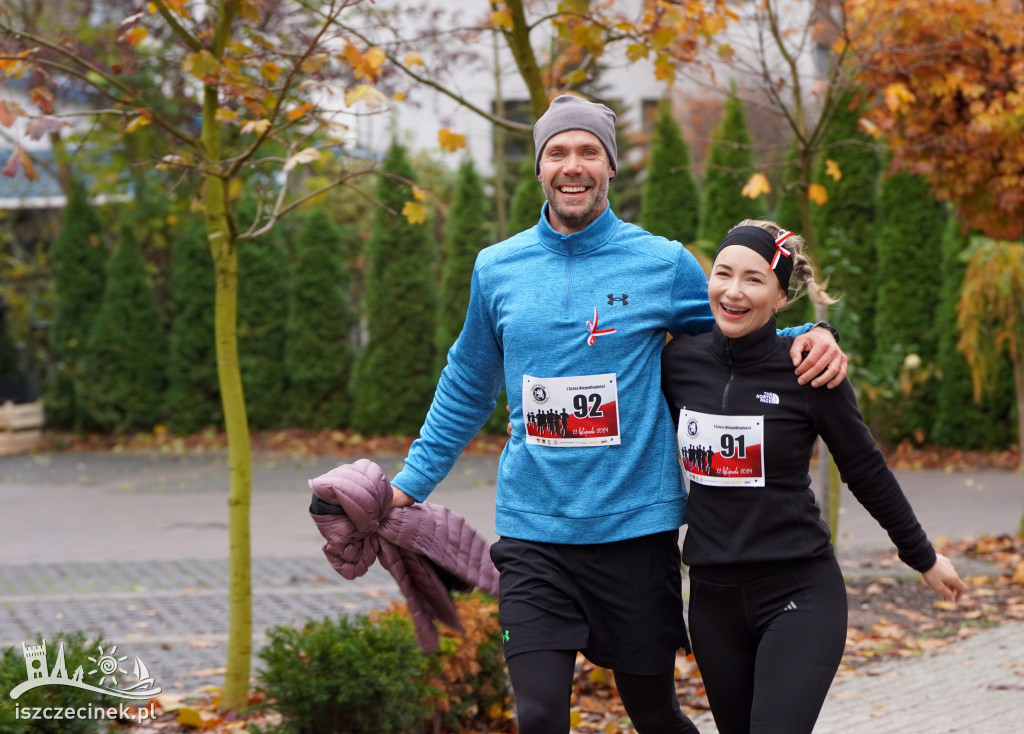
column 619, row 603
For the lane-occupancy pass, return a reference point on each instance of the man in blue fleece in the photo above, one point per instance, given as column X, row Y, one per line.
column 570, row 317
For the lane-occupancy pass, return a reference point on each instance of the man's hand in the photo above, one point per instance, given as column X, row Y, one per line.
column 400, row 498
column 825, row 363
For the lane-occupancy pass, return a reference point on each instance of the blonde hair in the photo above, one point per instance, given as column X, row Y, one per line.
column 803, row 269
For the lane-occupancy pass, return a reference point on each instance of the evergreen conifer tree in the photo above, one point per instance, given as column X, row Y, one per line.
column 13, row 383
column 911, row 224
column 466, row 232
column 79, row 259
column 192, row 401
column 787, row 207
column 787, row 216
column 263, row 298
column 845, row 226
column 959, row 421
column 123, row 370
column 671, row 201
column 318, row 353
column 394, row 376
column 527, row 198
column 729, row 166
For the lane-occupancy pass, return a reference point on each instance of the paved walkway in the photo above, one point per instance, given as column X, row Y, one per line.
column 133, row 546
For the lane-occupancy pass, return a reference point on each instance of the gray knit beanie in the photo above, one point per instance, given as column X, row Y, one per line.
column 567, row 112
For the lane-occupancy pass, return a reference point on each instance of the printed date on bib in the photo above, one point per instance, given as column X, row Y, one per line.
column 571, row 411
column 722, row 450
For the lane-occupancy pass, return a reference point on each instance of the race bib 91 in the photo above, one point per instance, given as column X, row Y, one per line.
column 571, row 411
column 722, row 450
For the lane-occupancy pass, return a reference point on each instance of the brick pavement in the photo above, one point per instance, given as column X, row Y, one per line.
column 133, row 546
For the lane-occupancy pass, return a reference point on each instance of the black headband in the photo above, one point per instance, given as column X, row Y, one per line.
column 768, row 247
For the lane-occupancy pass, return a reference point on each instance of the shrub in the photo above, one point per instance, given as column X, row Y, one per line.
column 77, row 650
column 359, row 676
column 470, row 672
column 368, row 674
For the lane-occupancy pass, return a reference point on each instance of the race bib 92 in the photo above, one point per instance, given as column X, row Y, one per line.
column 571, row 411
column 722, row 450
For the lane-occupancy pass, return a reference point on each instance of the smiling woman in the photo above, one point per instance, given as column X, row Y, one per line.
column 767, row 598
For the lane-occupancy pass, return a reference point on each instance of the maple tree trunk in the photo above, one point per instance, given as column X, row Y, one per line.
column 223, row 247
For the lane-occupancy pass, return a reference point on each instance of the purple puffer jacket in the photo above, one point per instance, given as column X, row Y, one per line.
column 404, row 538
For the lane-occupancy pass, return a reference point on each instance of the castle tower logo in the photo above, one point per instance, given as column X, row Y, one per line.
column 106, row 670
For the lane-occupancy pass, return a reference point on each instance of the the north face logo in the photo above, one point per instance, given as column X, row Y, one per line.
column 769, row 398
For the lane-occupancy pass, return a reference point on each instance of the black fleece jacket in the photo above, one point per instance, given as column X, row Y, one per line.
column 751, row 376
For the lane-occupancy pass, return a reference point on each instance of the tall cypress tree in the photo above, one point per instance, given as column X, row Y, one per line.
column 671, row 201
column 192, row 401
column 79, row 258
column 959, row 421
column 318, row 354
column 122, row 373
column 527, row 198
column 911, row 224
column 846, row 230
column 729, row 166
column 466, row 232
column 394, row 375
column 263, row 299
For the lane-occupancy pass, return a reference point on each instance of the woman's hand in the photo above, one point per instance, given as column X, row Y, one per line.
column 944, row 579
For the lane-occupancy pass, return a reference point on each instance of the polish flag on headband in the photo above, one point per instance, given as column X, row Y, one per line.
column 781, row 237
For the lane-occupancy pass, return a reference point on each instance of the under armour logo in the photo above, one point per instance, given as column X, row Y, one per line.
column 612, row 299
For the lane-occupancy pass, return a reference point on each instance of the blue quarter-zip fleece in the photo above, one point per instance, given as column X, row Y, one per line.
column 531, row 298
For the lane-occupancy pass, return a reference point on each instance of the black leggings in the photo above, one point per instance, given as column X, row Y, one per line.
column 542, row 682
column 768, row 639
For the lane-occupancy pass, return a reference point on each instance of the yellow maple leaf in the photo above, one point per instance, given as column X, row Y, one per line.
column 414, row 212
column 223, row 114
column 818, row 194
column 136, row 123
column 636, row 51
column 832, row 169
column 757, row 185
column 412, row 59
column 502, row 19
column 135, row 36
column 451, row 141
column 296, row 112
column 270, row 71
column 370, row 63
column 898, row 97
column 257, row 127
column 367, row 94
column 419, row 194
column 307, row 155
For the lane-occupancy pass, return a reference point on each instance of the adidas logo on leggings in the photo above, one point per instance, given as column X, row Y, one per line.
column 789, row 607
